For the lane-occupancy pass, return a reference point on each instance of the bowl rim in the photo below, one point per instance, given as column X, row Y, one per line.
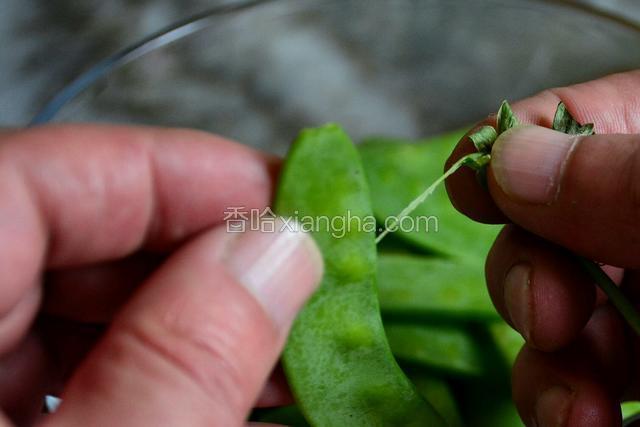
column 197, row 22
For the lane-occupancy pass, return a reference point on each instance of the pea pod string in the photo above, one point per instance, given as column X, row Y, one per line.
column 473, row 160
column 483, row 140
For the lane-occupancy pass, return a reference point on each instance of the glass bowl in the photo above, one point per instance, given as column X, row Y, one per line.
column 258, row 72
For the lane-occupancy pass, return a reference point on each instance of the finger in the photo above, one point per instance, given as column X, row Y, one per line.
column 610, row 103
column 17, row 320
column 579, row 192
column 98, row 291
column 68, row 343
column 4, row 421
column 200, row 338
column 80, row 194
column 538, row 289
column 580, row 385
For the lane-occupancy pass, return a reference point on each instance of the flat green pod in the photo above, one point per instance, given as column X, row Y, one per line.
column 438, row 392
column 488, row 403
column 420, row 286
column 337, row 359
column 398, row 171
column 629, row 409
column 508, row 341
column 443, row 348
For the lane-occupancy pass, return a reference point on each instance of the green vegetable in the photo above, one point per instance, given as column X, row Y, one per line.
column 505, row 119
column 484, row 138
column 630, row 409
column 430, row 287
column 398, row 171
column 337, row 359
column 509, row 341
column 564, row 122
column 438, row 392
column 440, row 348
column 615, row 295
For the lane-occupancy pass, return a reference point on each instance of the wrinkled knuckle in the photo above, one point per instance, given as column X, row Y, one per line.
column 209, row 365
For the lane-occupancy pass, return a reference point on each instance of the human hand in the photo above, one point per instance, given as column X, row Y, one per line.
column 580, row 193
column 118, row 229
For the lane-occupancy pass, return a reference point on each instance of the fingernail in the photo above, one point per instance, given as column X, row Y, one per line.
column 528, row 162
column 281, row 268
column 553, row 407
column 517, row 297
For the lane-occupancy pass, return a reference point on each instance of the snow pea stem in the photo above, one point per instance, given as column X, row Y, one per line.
column 617, row 298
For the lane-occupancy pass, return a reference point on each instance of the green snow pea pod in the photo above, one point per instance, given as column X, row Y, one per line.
column 398, row 171
column 630, row 409
column 419, row 286
column 488, row 402
column 337, row 359
column 438, row 347
column 509, row 341
column 438, row 392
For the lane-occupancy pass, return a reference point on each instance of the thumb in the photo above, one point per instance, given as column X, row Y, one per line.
column 198, row 341
column 581, row 192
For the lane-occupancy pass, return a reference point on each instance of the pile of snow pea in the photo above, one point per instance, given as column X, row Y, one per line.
column 402, row 333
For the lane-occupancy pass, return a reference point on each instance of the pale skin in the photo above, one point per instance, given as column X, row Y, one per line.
column 578, row 348
column 118, row 229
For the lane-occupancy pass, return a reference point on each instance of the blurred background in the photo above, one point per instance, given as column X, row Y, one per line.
column 209, row 83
